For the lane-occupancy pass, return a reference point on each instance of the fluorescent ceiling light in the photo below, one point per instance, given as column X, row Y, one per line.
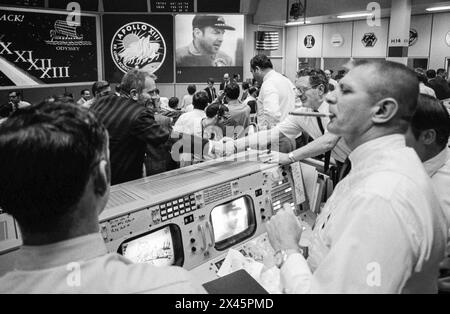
column 438, row 8
column 353, row 15
column 297, row 23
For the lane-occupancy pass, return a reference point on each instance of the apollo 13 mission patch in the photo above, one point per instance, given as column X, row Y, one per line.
column 138, row 45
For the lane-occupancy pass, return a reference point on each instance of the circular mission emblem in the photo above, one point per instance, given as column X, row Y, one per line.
column 138, row 45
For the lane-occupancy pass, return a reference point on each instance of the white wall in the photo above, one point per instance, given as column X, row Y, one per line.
column 291, row 52
column 432, row 29
column 422, row 24
column 343, row 29
column 439, row 49
column 317, row 32
column 381, row 32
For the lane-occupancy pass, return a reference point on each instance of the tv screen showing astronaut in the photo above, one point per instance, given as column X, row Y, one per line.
column 230, row 219
column 208, row 46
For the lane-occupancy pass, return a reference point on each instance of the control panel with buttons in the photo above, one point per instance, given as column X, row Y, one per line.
column 191, row 210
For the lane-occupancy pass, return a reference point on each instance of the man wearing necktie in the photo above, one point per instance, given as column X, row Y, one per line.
column 382, row 230
column 211, row 90
column 312, row 86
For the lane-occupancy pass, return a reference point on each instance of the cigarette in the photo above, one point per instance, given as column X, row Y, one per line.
column 312, row 114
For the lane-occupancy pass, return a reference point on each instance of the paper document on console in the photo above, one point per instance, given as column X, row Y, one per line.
column 236, row 261
column 300, row 196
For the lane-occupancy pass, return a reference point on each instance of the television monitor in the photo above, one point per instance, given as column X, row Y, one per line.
column 161, row 247
column 208, row 45
column 233, row 222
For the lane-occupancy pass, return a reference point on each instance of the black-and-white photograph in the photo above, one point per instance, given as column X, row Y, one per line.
column 202, row 151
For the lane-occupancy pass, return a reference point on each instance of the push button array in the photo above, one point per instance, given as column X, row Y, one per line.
column 177, row 207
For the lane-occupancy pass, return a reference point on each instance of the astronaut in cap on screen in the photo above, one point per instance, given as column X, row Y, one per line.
column 204, row 50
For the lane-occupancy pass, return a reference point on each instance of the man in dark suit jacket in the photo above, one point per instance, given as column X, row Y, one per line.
column 131, row 126
column 440, row 85
column 211, row 90
column 226, row 81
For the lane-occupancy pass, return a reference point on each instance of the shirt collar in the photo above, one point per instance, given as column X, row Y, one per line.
column 267, row 76
column 369, row 149
column 324, row 107
column 61, row 253
column 437, row 162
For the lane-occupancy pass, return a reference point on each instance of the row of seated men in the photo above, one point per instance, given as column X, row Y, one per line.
column 383, row 230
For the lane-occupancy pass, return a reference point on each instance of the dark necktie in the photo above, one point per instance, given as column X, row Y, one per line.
column 328, row 153
column 345, row 170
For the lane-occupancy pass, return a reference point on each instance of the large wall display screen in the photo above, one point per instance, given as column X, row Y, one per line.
column 138, row 41
column 47, row 48
column 208, row 46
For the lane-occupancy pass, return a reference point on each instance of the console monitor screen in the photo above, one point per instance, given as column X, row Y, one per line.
column 155, row 248
column 233, row 222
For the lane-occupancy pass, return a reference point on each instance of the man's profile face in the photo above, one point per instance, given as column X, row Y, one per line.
column 351, row 104
column 226, row 77
column 14, row 98
column 257, row 75
column 86, row 95
column 210, row 39
column 309, row 95
column 149, row 87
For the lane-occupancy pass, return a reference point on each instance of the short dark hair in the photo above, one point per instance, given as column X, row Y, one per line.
column 216, row 109
column 317, row 77
column 200, row 100
column 252, row 89
column 210, row 80
column 393, row 80
column 440, row 71
column 84, row 90
column 431, row 73
column 191, row 89
column 421, row 75
column 173, row 102
column 135, row 79
column 47, row 153
column 232, row 91
column 261, row 61
column 431, row 114
column 245, row 85
column 99, row 86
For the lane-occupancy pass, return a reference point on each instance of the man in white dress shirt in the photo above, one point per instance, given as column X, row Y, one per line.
column 428, row 135
column 382, row 230
column 55, row 182
column 313, row 88
column 276, row 96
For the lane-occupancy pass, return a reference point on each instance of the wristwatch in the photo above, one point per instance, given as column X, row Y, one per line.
column 280, row 258
column 291, row 157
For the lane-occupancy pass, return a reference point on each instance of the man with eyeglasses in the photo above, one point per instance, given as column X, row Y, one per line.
column 312, row 86
column 56, row 191
column 382, row 230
